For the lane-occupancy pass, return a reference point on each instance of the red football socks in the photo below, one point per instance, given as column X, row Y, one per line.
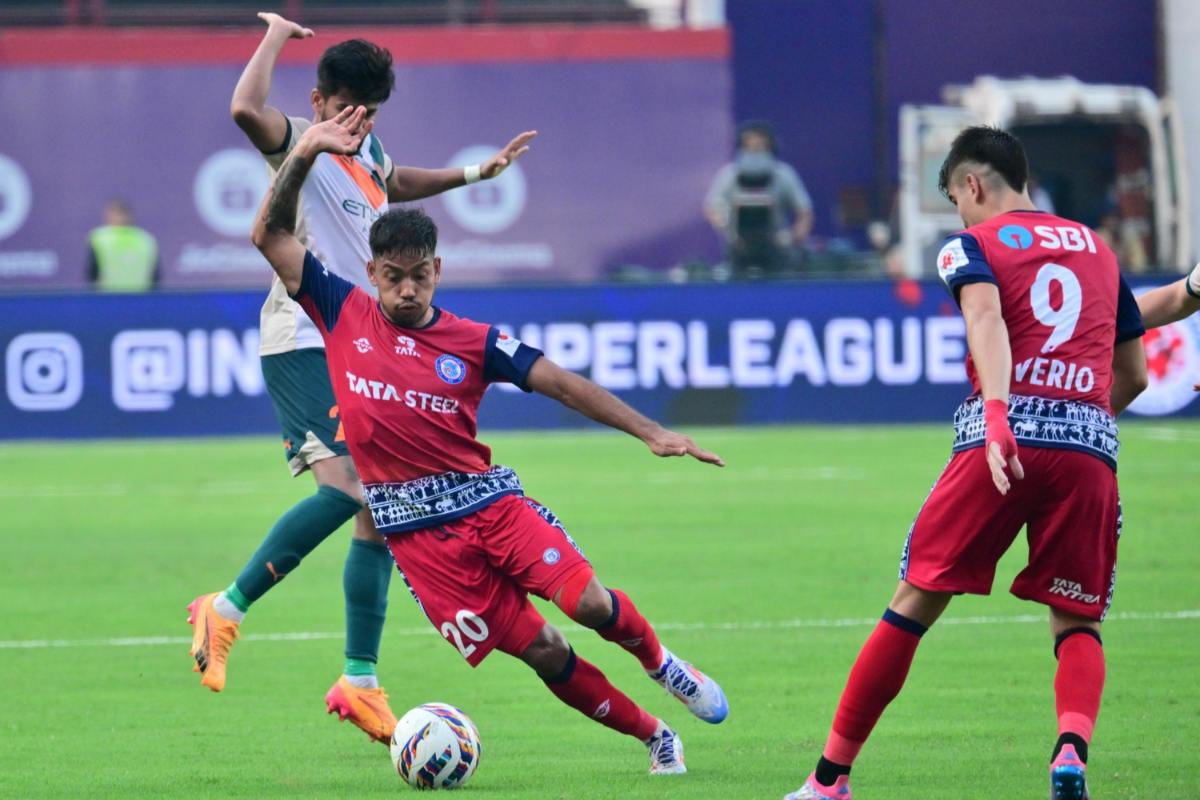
column 876, row 679
column 1079, row 681
column 628, row 628
column 584, row 688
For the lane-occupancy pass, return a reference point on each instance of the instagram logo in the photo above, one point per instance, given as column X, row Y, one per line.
column 44, row 371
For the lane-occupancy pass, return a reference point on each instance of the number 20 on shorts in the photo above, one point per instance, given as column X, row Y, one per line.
column 469, row 626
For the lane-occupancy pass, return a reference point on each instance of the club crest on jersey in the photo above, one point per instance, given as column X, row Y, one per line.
column 451, row 369
column 363, row 345
column 406, row 346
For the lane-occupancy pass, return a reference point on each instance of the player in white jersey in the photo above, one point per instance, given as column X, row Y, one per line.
column 342, row 196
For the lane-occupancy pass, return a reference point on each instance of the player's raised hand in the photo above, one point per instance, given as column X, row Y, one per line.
column 342, row 135
column 276, row 22
column 668, row 443
column 1001, row 445
column 514, row 150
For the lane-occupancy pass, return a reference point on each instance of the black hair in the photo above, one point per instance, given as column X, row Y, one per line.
column 761, row 127
column 983, row 144
column 403, row 231
column 361, row 68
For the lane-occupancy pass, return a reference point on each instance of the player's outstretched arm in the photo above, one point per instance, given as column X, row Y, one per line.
column 987, row 337
column 1129, row 374
column 1171, row 303
column 264, row 125
column 274, row 232
column 406, row 184
column 596, row 403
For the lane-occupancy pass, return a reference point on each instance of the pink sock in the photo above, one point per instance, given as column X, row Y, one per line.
column 876, row 679
column 630, row 629
column 1079, row 683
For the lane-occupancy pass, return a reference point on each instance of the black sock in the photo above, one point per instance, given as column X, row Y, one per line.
column 828, row 772
column 1071, row 738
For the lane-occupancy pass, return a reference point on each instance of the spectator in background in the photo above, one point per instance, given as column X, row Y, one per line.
column 1123, row 240
column 124, row 258
column 759, row 204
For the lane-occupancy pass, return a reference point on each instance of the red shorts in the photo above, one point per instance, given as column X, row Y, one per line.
column 1069, row 502
column 472, row 576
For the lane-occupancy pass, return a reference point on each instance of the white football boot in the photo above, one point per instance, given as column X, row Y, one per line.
column 666, row 752
column 700, row 693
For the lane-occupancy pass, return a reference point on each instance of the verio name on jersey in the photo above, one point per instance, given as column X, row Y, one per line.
column 423, row 401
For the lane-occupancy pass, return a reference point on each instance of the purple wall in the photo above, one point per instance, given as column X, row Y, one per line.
column 625, row 153
column 807, row 66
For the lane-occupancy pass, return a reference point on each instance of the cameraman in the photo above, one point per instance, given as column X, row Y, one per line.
column 759, row 204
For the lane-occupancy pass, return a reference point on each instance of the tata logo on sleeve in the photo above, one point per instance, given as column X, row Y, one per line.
column 1016, row 237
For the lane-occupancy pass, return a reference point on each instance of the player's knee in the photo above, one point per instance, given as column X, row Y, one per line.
column 595, row 606
column 548, row 653
column 584, row 599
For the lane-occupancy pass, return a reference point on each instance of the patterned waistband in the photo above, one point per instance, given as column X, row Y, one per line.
column 432, row 500
column 1037, row 422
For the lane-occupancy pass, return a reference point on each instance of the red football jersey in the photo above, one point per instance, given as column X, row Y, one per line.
column 1062, row 297
column 408, row 399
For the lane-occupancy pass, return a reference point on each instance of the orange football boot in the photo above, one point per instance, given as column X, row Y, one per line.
column 366, row 708
column 212, row 637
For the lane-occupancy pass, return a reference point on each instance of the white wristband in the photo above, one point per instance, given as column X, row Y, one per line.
column 472, row 174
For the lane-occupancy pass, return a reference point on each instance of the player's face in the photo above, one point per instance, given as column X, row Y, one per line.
column 329, row 107
column 406, row 285
column 966, row 195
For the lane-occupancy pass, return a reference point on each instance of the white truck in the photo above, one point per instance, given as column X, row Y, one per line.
column 1111, row 157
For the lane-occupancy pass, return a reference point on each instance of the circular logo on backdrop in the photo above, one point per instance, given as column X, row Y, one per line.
column 451, row 369
column 551, row 556
column 1173, row 365
column 1016, row 237
column 15, row 197
column 228, row 190
column 489, row 206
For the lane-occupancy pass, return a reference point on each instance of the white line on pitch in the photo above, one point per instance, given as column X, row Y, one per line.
column 662, row 626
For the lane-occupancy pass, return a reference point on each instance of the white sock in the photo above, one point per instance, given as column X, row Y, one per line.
column 227, row 610
column 363, row 681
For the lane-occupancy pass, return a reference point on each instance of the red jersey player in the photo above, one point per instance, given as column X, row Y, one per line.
column 1050, row 320
column 471, row 546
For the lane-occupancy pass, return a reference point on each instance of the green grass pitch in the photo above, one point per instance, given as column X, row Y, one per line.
column 767, row 575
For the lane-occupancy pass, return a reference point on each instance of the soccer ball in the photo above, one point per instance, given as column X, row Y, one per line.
column 435, row 746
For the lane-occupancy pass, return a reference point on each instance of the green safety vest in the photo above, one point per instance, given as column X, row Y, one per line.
column 125, row 258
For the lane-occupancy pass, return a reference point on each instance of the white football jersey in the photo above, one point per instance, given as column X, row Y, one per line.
column 341, row 197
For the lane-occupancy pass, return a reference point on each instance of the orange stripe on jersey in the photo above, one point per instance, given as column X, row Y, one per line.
column 365, row 180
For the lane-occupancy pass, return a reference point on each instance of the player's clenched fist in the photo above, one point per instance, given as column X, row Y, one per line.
column 668, row 443
column 1001, row 445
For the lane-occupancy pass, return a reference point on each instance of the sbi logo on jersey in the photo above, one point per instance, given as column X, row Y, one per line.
column 1016, row 237
column 451, row 369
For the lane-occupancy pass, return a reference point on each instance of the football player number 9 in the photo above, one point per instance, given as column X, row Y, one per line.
column 469, row 626
column 1064, row 318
